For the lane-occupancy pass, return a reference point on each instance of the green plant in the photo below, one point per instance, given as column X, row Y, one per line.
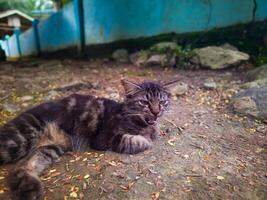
column 183, row 55
column 261, row 58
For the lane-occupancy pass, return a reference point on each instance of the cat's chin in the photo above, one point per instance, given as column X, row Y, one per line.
column 151, row 122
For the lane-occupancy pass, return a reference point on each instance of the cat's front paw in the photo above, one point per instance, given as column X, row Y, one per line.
column 133, row 144
column 24, row 186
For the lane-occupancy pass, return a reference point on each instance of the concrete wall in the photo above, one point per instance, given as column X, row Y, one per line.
column 12, row 43
column 112, row 20
column 107, row 21
column 28, row 43
column 59, row 31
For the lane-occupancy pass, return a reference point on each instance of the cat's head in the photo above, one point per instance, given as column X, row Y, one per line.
column 148, row 99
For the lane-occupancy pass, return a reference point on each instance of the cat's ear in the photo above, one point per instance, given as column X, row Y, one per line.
column 170, row 84
column 130, row 87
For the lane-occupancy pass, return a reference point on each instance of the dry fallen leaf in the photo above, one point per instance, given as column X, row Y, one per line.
column 86, row 176
column 73, row 194
column 112, row 163
column 52, row 171
column 155, row 195
column 220, row 177
column 171, row 142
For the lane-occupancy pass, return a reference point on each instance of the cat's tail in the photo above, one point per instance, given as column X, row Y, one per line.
column 18, row 137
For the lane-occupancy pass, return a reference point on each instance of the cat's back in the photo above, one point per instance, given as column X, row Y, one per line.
column 88, row 112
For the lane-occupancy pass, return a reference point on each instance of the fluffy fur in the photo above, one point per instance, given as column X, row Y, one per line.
column 38, row 137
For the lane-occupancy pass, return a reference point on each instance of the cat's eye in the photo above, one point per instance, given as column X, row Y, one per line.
column 143, row 102
column 163, row 102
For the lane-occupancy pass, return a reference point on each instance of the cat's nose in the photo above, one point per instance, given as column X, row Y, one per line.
column 155, row 111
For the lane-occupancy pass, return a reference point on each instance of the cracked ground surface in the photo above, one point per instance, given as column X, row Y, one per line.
column 204, row 150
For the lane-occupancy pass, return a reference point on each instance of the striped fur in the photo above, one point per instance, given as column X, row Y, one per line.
column 40, row 136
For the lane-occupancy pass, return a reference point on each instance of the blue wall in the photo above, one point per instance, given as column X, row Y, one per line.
column 59, row 31
column 111, row 20
column 28, row 43
column 12, row 43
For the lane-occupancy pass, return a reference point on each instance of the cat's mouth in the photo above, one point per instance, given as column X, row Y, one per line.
column 150, row 121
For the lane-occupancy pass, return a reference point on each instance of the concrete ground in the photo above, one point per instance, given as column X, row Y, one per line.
column 204, row 151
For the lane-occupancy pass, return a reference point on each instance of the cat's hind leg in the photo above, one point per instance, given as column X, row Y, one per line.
column 24, row 180
column 130, row 144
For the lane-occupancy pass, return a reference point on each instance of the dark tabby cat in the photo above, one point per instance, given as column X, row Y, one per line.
column 39, row 136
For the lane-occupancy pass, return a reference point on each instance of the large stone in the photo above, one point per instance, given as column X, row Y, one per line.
column 229, row 46
column 255, row 84
column 251, row 102
column 258, row 73
column 164, row 47
column 219, row 58
column 180, row 89
column 160, row 60
column 210, row 84
column 156, row 60
column 139, row 58
column 120, row 55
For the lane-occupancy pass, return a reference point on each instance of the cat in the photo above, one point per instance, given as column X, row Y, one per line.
column 40, row 136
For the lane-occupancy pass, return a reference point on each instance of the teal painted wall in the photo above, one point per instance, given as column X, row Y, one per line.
column 12, row 42
column 111, row 20
column 107, row 21
column 59, row 31
column 261, row 12
column 27, row 42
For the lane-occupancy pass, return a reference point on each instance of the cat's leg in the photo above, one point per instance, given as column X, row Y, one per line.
column 24, row 180
column 130, row 144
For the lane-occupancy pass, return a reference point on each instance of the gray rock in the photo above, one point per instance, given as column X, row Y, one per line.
column 164, row 47
column 27, row 98
column 210, row 84
column 229, row 46
column 156, row 60
column 160, row 60
column 219, row 58
column 180, row 89
column 120, row 55
column 12, row 108
column 251, row 102
column 258, row 73
column 255, row 84
column 139, row 58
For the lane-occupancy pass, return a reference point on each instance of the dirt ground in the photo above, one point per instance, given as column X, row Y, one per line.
column 204, row 151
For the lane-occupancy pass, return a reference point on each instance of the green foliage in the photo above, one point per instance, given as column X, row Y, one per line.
column 183, row 54
column 25, row 6
column 261, row 59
